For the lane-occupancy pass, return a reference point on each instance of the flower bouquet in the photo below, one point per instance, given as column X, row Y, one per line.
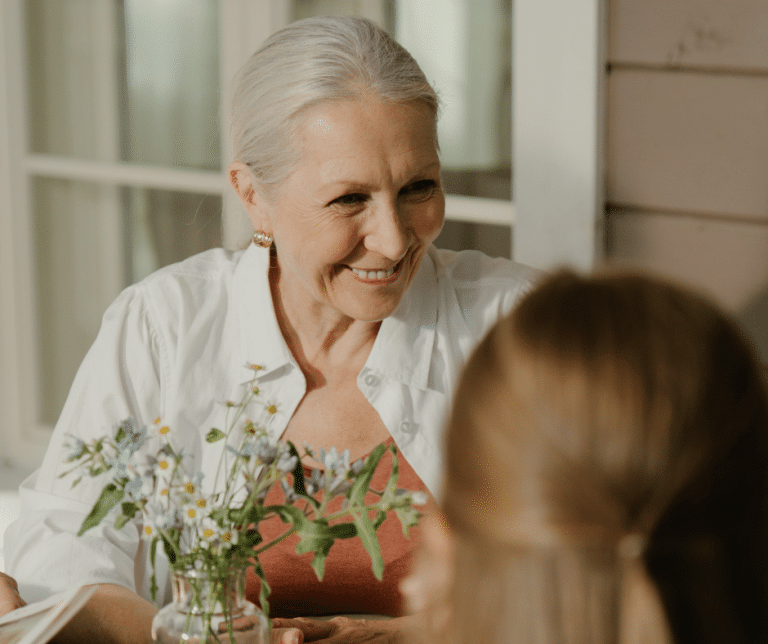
column 211, row 538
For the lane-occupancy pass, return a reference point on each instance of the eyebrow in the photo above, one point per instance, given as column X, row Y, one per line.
column 353, row 184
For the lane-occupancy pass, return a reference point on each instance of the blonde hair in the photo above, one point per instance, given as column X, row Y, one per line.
column 607, row 472
column 309, row 62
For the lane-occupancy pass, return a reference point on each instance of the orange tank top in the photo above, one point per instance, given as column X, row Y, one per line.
column 348, row 585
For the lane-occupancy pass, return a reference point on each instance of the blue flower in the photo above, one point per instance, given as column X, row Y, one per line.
column 77, row 449
column 286, row 462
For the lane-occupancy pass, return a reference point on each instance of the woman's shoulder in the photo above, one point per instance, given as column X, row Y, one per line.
column 472, row 269
column 201, row 275
column 213, row 264
column 478, row 289
column 167, row 297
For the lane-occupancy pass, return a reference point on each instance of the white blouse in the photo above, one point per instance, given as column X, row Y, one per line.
column 177, row 345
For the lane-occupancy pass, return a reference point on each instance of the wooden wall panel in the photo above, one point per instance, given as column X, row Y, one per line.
column 728, row 259
column 699, row 33
column 686, row 141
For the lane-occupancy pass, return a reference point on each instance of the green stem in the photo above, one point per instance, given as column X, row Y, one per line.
column 275, row 541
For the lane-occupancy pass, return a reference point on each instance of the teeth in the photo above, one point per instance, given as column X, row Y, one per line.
column 373, row 275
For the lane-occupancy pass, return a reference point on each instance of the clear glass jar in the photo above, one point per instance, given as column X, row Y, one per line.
column 209, row 607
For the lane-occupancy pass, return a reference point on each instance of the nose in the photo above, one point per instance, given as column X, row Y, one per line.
column 388, row 233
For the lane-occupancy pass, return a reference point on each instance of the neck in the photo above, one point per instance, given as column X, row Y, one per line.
column 317, row 335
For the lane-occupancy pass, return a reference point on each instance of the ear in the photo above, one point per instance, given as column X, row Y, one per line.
column 240, row 179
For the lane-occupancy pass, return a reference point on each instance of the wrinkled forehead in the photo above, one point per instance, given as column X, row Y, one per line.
column 399, row 115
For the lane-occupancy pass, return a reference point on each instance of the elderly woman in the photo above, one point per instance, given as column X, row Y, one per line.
column 362, row 326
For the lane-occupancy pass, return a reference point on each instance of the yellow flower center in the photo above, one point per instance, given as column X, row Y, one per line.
column 207, row 533
column 191, row 513
column 227, row 536
column 272, row 409
column 164, row 429
column 148, row 529
column 163, row 465
column 189, row 488
column 201, row 503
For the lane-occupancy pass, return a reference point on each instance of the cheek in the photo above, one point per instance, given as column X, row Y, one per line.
column 428, row 224
column 332, row 245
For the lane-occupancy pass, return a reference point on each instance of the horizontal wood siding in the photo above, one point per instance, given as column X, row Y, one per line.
column 687, row 147
column 688, row 141
column 713, row 34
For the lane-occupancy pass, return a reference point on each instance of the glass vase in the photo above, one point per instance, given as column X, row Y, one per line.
column 209, row 607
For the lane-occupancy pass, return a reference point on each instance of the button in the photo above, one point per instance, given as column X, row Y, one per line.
column 372, row 381
column 408, row 427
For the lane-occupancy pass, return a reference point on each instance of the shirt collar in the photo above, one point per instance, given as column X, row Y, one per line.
column 261, row 340
column 405, row 342
column 403, row 347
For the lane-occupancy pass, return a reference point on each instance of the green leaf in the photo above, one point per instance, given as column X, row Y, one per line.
column 214, row 435
column 359, row 489
column 368, row 537
column 314, row 536
column 298, row 472
column 111, row 495
column 343, row 531
column 379, row 519
column 120, row 434
column 264, row 589
column 121, row 521
column 409, row 517
column 319, row 537
column 168, row 548
column 249, row 539
column 129, row 511
column 389, row 491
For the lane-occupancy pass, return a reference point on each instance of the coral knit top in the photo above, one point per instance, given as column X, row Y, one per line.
column 348, row 585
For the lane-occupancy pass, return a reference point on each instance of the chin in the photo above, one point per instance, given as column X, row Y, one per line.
column 375, row 312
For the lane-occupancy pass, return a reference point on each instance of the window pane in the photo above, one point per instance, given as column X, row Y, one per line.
column 72, row 78
column 465, row 50
column 165, row 227
column 76, row 235
column 493, row 240
column 171, row 93
column 132, row 80
column 91, row 241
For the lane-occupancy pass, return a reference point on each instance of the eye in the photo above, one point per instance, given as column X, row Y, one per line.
column 353, row 199
column 422, row 189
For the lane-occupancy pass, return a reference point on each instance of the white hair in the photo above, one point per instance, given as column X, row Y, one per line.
column 307, row 63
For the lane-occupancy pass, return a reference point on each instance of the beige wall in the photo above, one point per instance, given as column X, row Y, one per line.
column 687, row 147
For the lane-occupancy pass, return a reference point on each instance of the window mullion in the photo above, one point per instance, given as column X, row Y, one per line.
column 126, row 174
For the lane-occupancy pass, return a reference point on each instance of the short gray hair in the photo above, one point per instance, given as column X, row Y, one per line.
column 309, row 62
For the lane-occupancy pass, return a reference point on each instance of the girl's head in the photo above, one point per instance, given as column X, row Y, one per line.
column 607, row 472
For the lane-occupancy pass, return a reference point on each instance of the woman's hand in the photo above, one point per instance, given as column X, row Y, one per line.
column 9, row 595
column 344, row 630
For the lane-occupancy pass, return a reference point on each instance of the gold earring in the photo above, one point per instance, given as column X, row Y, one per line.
column 262, row 239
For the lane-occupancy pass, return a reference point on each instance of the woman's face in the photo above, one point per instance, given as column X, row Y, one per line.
column 352, row 221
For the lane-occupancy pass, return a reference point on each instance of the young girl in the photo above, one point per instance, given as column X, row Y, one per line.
column 607, row 476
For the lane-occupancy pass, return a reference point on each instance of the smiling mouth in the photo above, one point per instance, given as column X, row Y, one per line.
column 374, row 275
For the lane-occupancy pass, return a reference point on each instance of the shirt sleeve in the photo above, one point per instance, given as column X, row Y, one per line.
column 120, row 377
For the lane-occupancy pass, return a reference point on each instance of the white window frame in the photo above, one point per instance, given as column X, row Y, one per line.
column 557, row 184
